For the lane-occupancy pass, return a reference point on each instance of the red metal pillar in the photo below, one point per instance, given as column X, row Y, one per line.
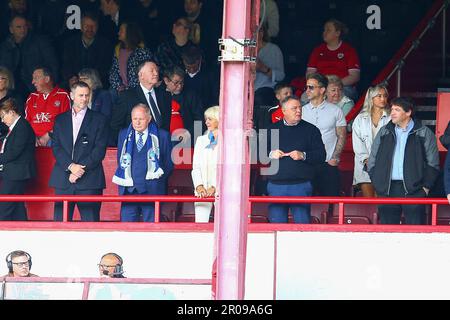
column 236, row 99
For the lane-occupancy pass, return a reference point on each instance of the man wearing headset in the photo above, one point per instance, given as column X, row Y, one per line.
column 19, row 264
column 110, row 266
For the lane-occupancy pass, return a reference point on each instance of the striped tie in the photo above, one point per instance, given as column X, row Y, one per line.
column 140, row 142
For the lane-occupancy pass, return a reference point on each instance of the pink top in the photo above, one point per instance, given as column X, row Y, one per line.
column 124, row 54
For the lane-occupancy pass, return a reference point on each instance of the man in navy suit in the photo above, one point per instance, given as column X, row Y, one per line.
column 80, row 139
column 17, row 164
column 156, row 98
column 144, row 163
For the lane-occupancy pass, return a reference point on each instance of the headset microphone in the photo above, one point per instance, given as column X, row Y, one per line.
column 105, row 272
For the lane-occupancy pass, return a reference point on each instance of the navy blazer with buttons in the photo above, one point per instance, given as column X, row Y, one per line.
column 89, row 150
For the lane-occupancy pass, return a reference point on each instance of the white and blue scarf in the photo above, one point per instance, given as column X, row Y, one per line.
column 122, row 177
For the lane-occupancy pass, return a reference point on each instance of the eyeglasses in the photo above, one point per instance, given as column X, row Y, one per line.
column 311, row 88
column 177, row 83
column 22, row 264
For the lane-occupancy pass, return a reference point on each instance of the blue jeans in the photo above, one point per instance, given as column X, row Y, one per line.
column 278, row 212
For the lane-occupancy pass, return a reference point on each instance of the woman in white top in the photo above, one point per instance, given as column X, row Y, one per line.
column 374, row 115
column 204, row 165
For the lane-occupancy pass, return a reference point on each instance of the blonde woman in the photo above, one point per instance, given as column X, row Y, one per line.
column 204, row 164
column 374, row 115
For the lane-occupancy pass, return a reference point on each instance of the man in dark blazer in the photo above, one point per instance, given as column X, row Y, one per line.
column 17, row 163
column 156, row 98
column 80, row 139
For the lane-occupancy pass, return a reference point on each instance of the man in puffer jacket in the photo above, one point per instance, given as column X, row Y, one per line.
column 403, row 163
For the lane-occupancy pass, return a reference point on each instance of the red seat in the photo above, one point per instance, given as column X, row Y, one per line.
column 350, row 220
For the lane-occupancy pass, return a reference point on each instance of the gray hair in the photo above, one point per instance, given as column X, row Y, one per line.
column 93, row 75
column 287, row 99
column 143, row 106
column 334, row 79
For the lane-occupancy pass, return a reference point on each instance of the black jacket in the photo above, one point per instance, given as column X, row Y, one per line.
column 89, row 150
column 17, row 158
column 421, row 160
column 121, row 115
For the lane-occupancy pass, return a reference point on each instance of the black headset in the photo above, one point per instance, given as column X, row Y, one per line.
column 17, row 253
column 118, row 269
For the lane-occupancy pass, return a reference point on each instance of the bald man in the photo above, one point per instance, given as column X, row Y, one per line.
column 110, row 266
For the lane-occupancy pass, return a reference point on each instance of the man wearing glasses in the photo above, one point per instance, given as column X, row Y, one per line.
column 330, row 120
column 19, row 264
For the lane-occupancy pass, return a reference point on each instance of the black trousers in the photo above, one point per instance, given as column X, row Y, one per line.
column 13, row 211
column 391, row 213
column 89, row 211
column 327, row 180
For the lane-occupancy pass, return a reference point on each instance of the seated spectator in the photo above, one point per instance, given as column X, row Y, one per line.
column 374, row 115
column 44, row 105
column 204, row 165
column 300, row 149
column 11, row 8
column 336, row 56
column 144, row 164
column 269, row 71
column 23, row 51
column 335, row 94
column 86, row 49
column 282, row 90
column 169, row 52
column 114, row 14
column 99, row 100
column 19, row 264
column 111, row 266
column 128, row 54
column 17, row 163
column 199, row 78
column 186, row 104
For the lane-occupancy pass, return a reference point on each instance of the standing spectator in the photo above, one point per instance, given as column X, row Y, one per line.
column 113, row 17
column 200, row 78
column 170, row 51
column 282, row 90
column 99, row 99
column 186, row 104
column 206, row 26
column 87, row 50
column 336, row 56
column 44, row 105
column 271, row 17
column 7, row 89
column 79, row 146
column 375, row 114
column 204, row 165
column 269, row 71
column 17, row 163
column 144, row 164
column 403, row 163
column 156, row 98
column 19, row 264
column 128, row 54
column 23, row 51
column 331, row 122
column 335, row 94
column 300, row 149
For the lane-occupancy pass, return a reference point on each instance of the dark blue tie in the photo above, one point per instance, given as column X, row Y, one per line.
column 140, row 142
column 155, row 110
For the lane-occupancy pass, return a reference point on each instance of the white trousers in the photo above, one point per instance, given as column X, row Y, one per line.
column 202, row 211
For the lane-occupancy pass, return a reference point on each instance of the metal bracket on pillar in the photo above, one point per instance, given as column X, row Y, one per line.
column 236, row 49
